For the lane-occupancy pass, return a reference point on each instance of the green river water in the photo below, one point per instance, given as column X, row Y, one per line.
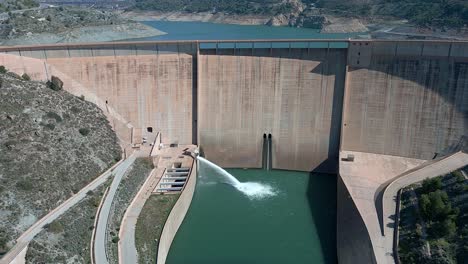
column 224, row 225
column 212, row 31
column 295, row 225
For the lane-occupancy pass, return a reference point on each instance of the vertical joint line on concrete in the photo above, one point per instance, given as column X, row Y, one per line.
column 113, row 49
column 45, row 54
column 47, row 72
column 68, row 51
column 450, row 50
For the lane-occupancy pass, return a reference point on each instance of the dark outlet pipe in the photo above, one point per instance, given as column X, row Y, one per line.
column 264, row 152
column 270, row 159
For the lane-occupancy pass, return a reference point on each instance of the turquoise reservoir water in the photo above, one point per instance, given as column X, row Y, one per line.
column 211, row 31
column 224, row 225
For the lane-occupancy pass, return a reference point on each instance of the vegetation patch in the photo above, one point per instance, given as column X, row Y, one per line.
column 67, row 239
column 12, row 5
column 270, row 7
column 150, row 224
column 434, row 221
column 129, row 186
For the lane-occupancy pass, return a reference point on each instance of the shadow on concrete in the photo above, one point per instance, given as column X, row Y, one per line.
column 447, row 77
column 353, row 240
column 318, row 54
column 331, row 164
column 321, row 195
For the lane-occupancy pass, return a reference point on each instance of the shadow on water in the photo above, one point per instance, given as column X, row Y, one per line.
column 321, row 196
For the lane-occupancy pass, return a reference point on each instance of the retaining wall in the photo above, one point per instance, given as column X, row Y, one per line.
column 176, row 216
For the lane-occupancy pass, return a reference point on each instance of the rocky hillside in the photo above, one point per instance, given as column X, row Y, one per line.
column 425, row 13
column 56, row 20
column 329, row 15
column 12, row 5
column 68, row 24
column 51, row 145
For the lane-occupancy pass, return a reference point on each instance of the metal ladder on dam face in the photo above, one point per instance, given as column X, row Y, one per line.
column 173, row 181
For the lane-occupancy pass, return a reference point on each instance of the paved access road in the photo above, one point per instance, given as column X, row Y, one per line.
column 29, row 234
column 100, row 255
column 127, row 249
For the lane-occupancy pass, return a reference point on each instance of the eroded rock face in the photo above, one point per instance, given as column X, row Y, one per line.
column 278, row 20
column 44, row 158
column 308, row 21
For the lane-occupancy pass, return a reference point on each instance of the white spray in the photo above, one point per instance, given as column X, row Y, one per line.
column 251, row 189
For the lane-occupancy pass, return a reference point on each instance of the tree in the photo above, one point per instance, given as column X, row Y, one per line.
column 431, row 185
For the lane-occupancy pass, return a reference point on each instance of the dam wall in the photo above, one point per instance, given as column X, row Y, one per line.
column 407, row 99
column 294, row 95
column 149, row 85
column 314, row 97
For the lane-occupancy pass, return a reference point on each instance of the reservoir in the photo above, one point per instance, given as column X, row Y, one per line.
column 214, row 31
column 293, row 221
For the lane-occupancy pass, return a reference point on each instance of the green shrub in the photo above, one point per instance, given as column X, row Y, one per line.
column 3, row 242
column 24, row 185
column 55, row 227
column 84, row 131
column 3, row 69
column 26, row 77
column 459, row 176
column 435, row 206
column 115, row 239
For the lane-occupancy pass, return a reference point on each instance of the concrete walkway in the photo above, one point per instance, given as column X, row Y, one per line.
column 127, row 248
column 29, row 234
column 101, row 228
column 372, row 174
column 438, row 168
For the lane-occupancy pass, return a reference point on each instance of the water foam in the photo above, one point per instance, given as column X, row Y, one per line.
column 254, row 190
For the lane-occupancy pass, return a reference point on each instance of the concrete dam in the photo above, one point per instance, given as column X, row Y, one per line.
column 390, row 105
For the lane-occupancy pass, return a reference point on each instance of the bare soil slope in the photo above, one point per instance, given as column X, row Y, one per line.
column 51, row 145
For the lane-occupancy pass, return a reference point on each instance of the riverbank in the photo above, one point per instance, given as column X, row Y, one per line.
column 332, row 25
column 68, row 24
column 130, row 30
column 376, row 28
